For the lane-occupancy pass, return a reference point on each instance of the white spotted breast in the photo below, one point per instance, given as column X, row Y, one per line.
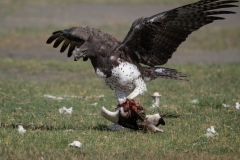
column 123, row 76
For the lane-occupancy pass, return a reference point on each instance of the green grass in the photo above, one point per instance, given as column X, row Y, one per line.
column 22, row 87
column 23, row 84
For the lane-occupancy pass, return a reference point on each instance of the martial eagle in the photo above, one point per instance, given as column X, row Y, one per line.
column 151, row 41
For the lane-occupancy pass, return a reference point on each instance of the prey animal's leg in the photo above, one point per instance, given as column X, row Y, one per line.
column 140, row 88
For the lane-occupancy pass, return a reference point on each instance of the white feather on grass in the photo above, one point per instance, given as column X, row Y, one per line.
column 225, row 105
column 195, row 101
column 21, row 129
column 65, row 110
column 237, row 105
column 75, row 144
column 211, row 133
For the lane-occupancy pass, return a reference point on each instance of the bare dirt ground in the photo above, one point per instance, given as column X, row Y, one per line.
column 78, row 14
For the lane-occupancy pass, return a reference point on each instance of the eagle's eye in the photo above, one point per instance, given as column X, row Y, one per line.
column 85, row 51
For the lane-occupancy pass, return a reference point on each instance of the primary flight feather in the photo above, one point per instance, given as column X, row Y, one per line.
column 150, row 41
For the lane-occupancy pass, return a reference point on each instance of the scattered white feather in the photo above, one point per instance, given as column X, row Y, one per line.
column 69, row 110
column 154, row 105
column 237, row 105
column 211, row 132
column 195, row 101
column 100, row 96
column 75, row 144
column 225, row 105
column 67, row 96
column 65, row 110
column 62, row 110
column 94, row 104
column 60, row 97
column 21, row 129
column 53, row 97
column 198, row 143
column 68, row 130
column 18, row 109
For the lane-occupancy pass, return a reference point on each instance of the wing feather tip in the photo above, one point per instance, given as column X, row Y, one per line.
column 50, row 40
column 59, row 31
column 69, row 54
column 61, row 51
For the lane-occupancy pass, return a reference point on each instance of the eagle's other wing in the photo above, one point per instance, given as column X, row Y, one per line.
column 153, row 40
column 75, row 36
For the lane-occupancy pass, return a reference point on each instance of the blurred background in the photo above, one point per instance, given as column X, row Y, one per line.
column 25, row 26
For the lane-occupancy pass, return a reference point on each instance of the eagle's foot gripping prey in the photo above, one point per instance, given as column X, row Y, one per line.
column 132, row 115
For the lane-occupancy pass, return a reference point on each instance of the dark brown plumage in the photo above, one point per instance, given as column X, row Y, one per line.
column 150, row 41
column 156, row 38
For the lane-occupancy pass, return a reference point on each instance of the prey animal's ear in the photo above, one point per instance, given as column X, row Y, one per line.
column 161, row 121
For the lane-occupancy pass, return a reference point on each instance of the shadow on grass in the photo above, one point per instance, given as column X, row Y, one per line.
column 101, row 127
column 38, row 127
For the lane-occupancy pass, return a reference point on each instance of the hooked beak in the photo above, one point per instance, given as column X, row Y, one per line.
column 78, row 55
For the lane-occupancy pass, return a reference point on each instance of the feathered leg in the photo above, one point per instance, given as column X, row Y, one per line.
column 139, row 89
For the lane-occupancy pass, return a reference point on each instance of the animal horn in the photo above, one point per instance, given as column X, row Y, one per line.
column 111, row 116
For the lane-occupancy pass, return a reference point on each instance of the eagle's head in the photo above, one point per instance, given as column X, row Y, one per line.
column 94, row 45
column 85, row 51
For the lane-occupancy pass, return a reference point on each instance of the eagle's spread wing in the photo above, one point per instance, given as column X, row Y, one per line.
column 153, row 40
column 72, row 37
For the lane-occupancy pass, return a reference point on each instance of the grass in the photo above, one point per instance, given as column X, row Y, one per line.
column 23, row 84
column 22, row 102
